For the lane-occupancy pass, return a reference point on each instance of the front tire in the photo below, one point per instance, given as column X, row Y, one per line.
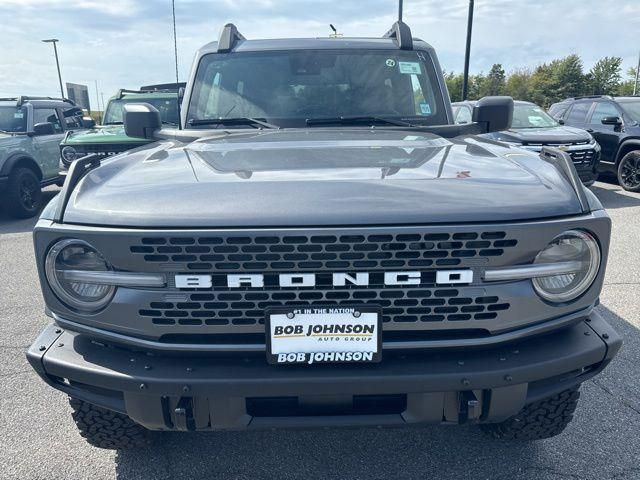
column 542, row 419
column 629, row 172
column 23, row 196
column 103, row 428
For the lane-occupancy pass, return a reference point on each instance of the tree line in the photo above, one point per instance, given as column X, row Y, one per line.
column 547, row 83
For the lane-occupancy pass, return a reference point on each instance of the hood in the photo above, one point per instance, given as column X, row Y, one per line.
column 102, row 134
column 320, row 177
column 551, row 135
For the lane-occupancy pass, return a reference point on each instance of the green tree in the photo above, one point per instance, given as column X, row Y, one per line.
column 604, row 77
column 495, row 82
column 626, row 87
column 569, row 78
column 454, row 85
column 518, row 84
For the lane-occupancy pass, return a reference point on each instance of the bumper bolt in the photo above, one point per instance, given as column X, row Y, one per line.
column 143, row 386
column 189, row 369
column 42, row 348
column 508, row 378
column 61, row 344
column 356, row 314
column 186, row 389
column 58, row 330
column 587, row 333
column 466, row 382
column 605, row 336
column 290, row 315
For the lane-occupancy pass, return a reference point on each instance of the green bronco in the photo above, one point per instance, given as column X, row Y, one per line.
column 30, row 130
column 109, row 138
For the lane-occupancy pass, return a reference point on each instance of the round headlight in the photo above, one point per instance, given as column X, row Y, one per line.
column 573, row 246
column 76, row 255
column 69, row 154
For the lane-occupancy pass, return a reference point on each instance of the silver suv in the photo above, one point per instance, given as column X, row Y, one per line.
column 31, row 129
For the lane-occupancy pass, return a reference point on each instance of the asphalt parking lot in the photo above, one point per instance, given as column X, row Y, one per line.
column 38, row 438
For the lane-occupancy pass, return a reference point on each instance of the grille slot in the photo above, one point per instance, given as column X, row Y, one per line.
column 323, row 252
column 399, row 305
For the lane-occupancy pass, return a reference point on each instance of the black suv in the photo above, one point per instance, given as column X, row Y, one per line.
column 614, row 122
column 532, row 129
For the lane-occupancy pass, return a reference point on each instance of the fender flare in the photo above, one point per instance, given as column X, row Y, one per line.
column 13, row 159
column 635, row 142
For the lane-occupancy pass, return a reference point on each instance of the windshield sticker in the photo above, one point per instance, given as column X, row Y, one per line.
column 410, row 68
column 425, row 108
column 18, row 115
column 390, row 62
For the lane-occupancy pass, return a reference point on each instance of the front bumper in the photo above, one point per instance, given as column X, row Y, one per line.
column 210, row 392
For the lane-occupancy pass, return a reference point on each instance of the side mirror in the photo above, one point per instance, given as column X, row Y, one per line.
column 616, row 121
column 496, row 113
column 88, row 122
column 141, row 120
column 45, row 128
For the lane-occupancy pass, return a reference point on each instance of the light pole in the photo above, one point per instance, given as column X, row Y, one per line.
column 467, row 54
column 55, row 51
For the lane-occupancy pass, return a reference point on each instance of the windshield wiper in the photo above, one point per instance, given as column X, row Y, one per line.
column 355, row 120
column 254, row 122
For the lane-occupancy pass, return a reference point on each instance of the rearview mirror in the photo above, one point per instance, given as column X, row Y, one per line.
column 45, row 128
column 141, row 120
column 88, row 122
column 496, row 113
column 617, row 121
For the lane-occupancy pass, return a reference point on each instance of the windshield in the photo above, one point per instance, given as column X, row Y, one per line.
column 168, row 108
column 13, row 119
column 531, row 116
column 294, row 86
column 632, row 109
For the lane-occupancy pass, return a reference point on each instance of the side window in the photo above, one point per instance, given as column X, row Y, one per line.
column 463, row 115
column 603, row 109
column 578, row 113
column 44, row 115
column 72, row 118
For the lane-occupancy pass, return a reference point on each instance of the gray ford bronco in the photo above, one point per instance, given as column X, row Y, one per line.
column 320, row 245
column 30, row 130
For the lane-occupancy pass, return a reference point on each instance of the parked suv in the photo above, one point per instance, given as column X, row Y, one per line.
column 109, row 138
column 615, row 124
column 321, row 246
column 30, row 130
column 533, row 129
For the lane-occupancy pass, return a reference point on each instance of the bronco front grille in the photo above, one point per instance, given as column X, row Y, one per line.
column 401, row 305
column 323, row 252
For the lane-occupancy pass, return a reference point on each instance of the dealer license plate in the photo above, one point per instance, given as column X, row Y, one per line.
column 308, row 335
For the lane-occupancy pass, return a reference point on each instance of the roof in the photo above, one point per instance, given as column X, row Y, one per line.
column 321, row 43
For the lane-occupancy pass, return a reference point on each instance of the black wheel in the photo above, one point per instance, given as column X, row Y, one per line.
column 23, row 196
column 629, row 172
column 106, row 429
column 543, row 419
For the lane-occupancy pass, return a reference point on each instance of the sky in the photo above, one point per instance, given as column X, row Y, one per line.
column 129, row 43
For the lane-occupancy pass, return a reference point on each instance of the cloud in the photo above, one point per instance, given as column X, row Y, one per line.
column 128, row 43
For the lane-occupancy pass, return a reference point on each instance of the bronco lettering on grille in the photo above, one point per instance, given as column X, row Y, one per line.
column 338, row 279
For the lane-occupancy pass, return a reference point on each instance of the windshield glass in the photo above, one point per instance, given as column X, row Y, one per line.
column 168, row 108
column 632, row 108
column 295, row 86
column 531, row 116
column 13, row 119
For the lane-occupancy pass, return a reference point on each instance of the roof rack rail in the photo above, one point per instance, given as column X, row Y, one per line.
column 25, row 98
column 401, row 33
column 9, row 99
column 229, row 37
column 590, row 96
column 164, row 87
